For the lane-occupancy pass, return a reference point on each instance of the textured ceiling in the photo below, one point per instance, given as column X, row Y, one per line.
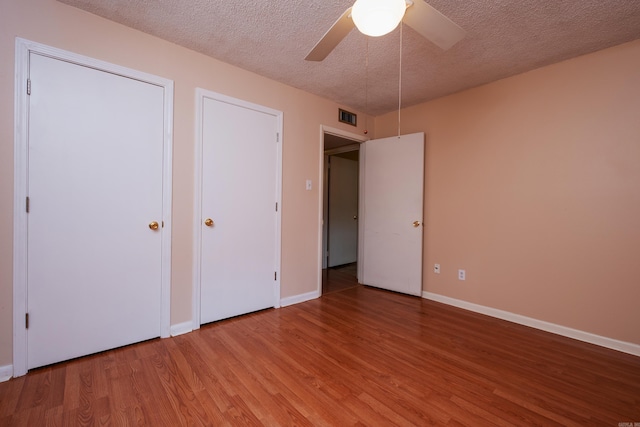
column 272, row 37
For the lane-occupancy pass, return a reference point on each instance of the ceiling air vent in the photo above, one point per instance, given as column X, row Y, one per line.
column 347, row 117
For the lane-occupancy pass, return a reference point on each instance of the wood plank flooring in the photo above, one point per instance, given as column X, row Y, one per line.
column 360, row 357
column 339, row 278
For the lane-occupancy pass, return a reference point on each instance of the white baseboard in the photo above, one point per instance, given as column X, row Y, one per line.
column 181, row 328
column 6, row 372
column 625, row 347
column 296, row 299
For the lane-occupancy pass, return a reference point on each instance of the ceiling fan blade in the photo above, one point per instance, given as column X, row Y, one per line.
column 433, row 25
column 332, row 38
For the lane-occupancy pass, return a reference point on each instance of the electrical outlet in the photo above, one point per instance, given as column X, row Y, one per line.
column 308, row 184
column 462, row 275
column 436, row 268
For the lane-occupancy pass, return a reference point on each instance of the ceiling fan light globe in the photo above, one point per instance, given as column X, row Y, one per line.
column 377, row 17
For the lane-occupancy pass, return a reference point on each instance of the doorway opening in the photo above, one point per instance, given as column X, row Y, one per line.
column 389, row 233
column 340, row 213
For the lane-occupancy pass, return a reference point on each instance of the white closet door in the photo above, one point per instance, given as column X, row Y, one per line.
column 392, row 209
column 95, row 184
column 240, row 243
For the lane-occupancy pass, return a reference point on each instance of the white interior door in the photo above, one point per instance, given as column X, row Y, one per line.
column 343, row 211
column 95, row 174
column 239, row 223
column 391, row 214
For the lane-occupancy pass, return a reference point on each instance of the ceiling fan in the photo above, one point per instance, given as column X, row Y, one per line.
column 379, row 17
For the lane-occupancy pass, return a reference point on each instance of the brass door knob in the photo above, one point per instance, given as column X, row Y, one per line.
column 153, row 225
column 208, row 222
column 416, row 223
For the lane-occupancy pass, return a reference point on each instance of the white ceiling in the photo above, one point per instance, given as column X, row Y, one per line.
column 272, row 37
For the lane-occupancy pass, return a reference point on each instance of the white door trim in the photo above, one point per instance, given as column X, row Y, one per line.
column 344, row 134
column 201, row 94
column 21, row 108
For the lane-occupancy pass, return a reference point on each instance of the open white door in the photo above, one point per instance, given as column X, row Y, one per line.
column 391, row 213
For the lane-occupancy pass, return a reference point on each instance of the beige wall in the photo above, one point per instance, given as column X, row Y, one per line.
column 533, row 187
column 61, row 26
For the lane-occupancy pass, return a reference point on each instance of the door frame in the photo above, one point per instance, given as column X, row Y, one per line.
column 359, row 139
column 201, row 94
column 21, row 146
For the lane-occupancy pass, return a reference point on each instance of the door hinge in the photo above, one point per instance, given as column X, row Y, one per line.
column 277, row 136
column 28, row 86
column 275, row 275
column 26, row 320
column 276, row 206
column 27, row 205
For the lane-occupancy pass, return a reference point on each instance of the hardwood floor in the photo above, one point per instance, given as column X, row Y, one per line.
column 357, row 357
column 339, row 278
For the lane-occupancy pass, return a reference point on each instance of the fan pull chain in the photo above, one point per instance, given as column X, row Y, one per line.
column 366, row 85
column 400, row 81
